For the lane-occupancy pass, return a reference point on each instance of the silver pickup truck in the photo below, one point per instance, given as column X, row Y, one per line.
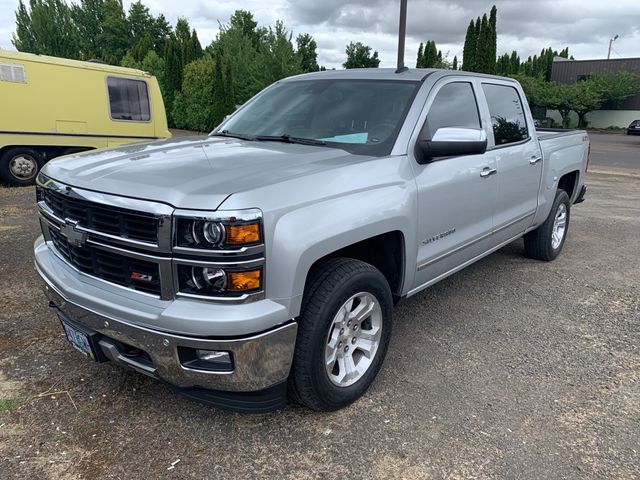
column 263, row 261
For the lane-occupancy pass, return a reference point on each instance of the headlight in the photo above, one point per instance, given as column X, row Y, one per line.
column 218, row 230
column 218, row 282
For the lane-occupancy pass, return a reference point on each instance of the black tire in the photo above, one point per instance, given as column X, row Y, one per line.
column 12, row 155
column 331, row 285
column 538, row 243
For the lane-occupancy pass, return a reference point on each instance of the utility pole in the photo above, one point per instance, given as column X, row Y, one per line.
column 402, row 33
column 611, row 40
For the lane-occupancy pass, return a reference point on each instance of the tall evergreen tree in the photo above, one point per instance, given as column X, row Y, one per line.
column 173, row 73
column 306, row 51
column 469, row 50
column 514, row 62
column 482, row 53
column 492, row 47
column 430, row 55
column 141, row 22
column 196, row 47
column 161, row 30
column 420, row 55
column 46, row 28
column 454, row 65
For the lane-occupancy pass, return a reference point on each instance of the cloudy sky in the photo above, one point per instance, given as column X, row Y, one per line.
column 585, row 26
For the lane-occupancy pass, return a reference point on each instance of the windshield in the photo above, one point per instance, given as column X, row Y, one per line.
column 362, row 116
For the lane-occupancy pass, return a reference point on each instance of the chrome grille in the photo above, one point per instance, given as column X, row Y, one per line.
column 103, row 218
column 122, row 270
column 128, row 241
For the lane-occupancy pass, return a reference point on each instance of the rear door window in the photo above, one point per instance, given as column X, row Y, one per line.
column 507, row 114
column 128, row 99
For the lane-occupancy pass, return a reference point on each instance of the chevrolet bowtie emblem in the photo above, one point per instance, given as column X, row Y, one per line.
column 74, row 236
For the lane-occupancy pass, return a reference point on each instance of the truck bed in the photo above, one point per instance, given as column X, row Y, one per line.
column 549, row 133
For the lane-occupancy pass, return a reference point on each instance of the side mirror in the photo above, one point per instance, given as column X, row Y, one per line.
column 451, row 142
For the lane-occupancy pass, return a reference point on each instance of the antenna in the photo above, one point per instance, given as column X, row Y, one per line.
column 611, row 40
column 402, row 33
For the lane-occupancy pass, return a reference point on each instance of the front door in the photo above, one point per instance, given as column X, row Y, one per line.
column 456, row 195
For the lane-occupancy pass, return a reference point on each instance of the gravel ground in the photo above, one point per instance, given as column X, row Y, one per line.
column 512, row 368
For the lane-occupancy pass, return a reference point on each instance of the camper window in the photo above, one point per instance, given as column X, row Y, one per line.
column 128, row 99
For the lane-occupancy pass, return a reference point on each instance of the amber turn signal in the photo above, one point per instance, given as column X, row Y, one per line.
column 241, row 234
column 244, row 281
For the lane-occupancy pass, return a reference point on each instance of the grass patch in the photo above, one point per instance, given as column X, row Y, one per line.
column 9, row 404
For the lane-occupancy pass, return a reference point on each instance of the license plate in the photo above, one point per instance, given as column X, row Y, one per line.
column 79, row 339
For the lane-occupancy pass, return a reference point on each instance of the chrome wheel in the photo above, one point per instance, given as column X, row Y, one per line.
column 23, row 166
column 559, row 226
column 353, row 339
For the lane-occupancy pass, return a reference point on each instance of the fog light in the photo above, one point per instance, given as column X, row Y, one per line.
column 213, row 356
column 206, row 360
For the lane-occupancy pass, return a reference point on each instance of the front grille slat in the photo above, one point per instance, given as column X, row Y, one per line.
column 113, row 267
column 105, row 219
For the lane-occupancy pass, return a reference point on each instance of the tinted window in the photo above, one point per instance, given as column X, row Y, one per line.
column 454, row 106
column 507, row 114
column 128, row 99
column 362, row 116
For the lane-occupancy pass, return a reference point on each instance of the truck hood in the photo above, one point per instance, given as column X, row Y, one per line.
column 193, row 172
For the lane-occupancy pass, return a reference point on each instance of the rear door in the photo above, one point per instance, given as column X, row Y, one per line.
column 516, row 152
column 456, row 195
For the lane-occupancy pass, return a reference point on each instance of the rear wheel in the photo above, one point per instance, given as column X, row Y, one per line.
column 546, row 242
column 20, row 165
column 343, row 334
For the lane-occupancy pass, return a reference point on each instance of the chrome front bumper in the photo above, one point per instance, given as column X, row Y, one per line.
column 260, row 361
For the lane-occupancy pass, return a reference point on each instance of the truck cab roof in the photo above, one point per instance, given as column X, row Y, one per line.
column 410, row 74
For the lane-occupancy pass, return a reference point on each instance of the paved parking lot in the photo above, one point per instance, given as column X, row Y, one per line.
column 512, row 368
column 615, row 152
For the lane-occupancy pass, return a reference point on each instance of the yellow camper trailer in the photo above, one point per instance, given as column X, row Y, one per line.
column 53, row 106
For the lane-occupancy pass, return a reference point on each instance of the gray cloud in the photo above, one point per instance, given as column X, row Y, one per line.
column 524, row 25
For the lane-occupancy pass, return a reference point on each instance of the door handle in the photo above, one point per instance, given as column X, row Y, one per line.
column 535, row 159
column 487, row 172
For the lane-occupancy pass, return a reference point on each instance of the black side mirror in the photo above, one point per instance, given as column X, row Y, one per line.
column 451, row 142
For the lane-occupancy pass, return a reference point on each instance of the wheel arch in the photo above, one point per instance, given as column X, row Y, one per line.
column 569, row 183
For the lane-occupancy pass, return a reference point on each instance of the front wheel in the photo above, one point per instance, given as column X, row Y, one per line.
column 20, row 165
column 343, row 334
column 546, row 241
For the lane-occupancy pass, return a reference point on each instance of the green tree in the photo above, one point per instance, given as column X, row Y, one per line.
column 430, row 57
column 241, row 44
column 306, row 50
column 585, row 97
column 140, row 49
column 155, row 65
column 173, row 74
column 160, row 31
column 244, row 22
column 483, row 60
column 469, row 50
column 46, row 28
column 419, row 56
column 616, row 88
column 141, row 22
column 492, row 41
column 279, row 56
column 193, row 105
column 514, row 62
column 454, row 65
column 103, row 29
column 223, row 103
column 359, row 56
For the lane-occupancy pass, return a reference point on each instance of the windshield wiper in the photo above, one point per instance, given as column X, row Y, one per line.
column 289, row 139
column 227, row 133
